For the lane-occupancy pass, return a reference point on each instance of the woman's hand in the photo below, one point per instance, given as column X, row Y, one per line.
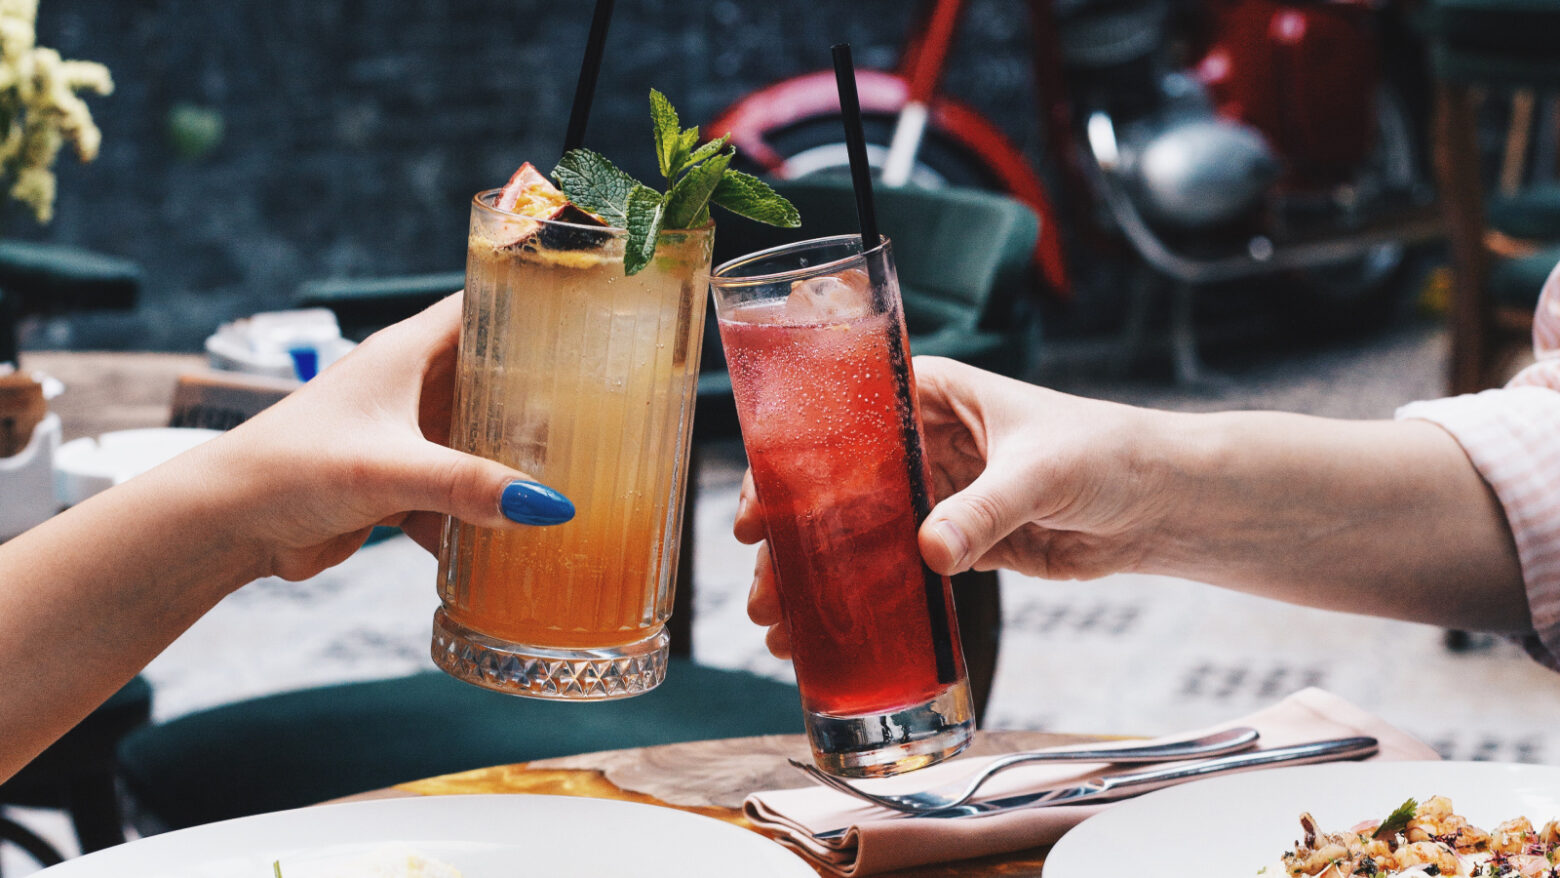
column 362, row 445
column 113, row 580
column 1031, row 480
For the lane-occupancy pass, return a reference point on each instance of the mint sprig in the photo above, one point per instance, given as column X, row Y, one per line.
column 696, row 176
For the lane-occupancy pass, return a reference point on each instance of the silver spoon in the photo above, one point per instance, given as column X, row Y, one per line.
column 957, row 793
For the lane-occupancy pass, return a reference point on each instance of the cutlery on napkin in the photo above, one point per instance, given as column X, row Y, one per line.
column 879, row 840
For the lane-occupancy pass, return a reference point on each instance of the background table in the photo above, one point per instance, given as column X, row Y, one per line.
column 112, row 391
column 709, row 778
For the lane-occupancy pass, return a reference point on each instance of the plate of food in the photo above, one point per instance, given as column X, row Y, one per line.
column 451, row 837
column 1369, row 819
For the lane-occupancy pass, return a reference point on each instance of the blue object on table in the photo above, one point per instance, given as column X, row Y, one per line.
column 306, row 362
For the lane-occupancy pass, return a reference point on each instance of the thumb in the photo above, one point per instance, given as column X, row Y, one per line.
column 475, row 490
column 965, row 526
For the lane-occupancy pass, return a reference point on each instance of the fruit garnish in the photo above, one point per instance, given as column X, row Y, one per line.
column 696, row 177
column 534, row 197
column 531, row 194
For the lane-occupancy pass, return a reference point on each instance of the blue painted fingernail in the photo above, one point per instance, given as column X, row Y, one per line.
column 533, row 503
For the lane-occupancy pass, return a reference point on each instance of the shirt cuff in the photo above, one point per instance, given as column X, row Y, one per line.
column 1512, row 436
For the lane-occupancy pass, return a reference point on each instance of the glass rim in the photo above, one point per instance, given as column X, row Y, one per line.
column 611, row 231
column 718, row 274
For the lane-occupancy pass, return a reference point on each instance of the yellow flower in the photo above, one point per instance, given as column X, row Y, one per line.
column 41, row 108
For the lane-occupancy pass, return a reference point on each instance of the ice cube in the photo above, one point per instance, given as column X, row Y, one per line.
column 830, row 298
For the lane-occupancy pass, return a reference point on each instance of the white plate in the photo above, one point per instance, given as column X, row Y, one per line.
column 1233, row 826
column 482, row 836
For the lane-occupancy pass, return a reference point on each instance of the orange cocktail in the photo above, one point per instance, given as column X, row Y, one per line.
column 583, row 378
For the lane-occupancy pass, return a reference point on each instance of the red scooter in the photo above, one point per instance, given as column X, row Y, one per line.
column 1216, row 140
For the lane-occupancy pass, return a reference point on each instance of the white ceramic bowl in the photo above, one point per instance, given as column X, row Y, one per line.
column 83, row 467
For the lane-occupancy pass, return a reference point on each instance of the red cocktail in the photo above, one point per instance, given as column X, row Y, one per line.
column 820, row 367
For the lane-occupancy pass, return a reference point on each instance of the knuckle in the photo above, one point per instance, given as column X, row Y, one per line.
column 985, row 512
column 459, row 487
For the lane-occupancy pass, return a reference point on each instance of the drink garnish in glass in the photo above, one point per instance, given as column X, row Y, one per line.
column 815, row 342
column 578, row 365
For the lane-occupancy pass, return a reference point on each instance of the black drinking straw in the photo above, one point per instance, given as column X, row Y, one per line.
column 866, row 214
column 585, row 89
column 856, row 146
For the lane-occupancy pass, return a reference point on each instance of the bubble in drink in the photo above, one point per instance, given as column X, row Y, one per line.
column 830, row 298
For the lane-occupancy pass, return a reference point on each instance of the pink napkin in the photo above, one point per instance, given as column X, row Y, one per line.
column 877, row 842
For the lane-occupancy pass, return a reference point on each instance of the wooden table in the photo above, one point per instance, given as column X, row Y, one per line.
column 709, row 778
column 112, row 391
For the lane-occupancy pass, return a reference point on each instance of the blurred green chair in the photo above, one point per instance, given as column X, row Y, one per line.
column 54, row 279
column 300, row 748
column 1498, row 46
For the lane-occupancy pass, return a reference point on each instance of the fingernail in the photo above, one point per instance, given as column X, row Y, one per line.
column 953, row 539
column 533, row 503
column 741, row 505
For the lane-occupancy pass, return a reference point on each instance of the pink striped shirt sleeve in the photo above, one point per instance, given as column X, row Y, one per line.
column 1512, row 435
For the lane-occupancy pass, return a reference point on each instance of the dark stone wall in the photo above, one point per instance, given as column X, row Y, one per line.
column 356, row 131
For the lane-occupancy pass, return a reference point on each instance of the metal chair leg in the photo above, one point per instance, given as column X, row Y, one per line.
column 24, row 838
column 1134, row 330
column 95, row 811
column 1190, row 371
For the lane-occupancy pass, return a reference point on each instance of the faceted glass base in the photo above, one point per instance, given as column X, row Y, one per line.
column 562, row 673
column 884, row 744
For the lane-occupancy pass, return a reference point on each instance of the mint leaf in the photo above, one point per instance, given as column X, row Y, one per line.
column 688, row 198
column 596, row 185
column 1397, row 821
column 646, row 210
column 746, row 195
column 668, row 133
column 707, row 150
column 690, row 139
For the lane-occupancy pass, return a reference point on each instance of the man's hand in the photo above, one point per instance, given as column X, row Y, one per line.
column 1031, row 480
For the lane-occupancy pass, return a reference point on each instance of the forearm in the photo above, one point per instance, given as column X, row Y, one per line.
column 91, row 596
column 1381, row 517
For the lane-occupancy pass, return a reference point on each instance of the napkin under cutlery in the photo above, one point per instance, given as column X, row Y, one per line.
column 880, row 840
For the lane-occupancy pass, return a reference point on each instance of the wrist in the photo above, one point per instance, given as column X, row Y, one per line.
column 227, row 493
column 1183, row 461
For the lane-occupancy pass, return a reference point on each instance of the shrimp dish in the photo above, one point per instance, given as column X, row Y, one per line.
column 1423, row 839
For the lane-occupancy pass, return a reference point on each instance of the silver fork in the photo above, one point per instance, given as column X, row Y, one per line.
column 957, row 793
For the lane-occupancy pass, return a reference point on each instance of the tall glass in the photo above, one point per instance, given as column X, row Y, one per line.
column 815, row 341
column 584, row 378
